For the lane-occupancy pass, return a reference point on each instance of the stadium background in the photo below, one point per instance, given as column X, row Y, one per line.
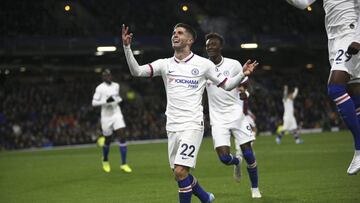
column 50, row 66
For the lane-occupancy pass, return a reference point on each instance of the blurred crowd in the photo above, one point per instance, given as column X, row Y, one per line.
column 45, row 111
column 93, row 18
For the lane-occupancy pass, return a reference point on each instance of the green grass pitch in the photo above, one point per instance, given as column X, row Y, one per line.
column 312, row 172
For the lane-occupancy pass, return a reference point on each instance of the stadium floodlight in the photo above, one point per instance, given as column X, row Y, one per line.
column 249, row 46
column 106, row 48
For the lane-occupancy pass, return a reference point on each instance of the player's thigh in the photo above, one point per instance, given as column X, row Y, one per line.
column 221, row 136
column 107, row 126
column 188, row 147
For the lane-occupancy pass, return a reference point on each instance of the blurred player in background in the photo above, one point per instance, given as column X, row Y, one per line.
column 227, row 117
column 184, row 77
column 107, row 96
column 289, row 121
column 342, row 27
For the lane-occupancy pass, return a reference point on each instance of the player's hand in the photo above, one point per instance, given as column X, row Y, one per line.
column 353, row 48
column 110, row 99
column 249, row 67
column 126, row 36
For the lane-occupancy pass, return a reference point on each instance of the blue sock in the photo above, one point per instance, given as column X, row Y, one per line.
column 185, row 190
column 356, row 100
column 106, row 149
column 198, row 190
column 229, row 159
column 123, row 151
column 252, row 167
column 346, row 108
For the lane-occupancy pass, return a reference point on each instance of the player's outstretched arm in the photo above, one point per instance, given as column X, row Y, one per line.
column 285, row 91
column 233, row 82
column 296, row 91
column 301, row 4
column 135, row 69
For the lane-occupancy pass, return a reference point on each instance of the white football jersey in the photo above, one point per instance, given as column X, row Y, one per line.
column 102, row 93
column 184, row 82
column 225, row 107
column 289, row 104
column 340, row 17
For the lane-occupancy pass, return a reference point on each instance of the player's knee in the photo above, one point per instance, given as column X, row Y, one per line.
column 225, row 159
column 336, row 91
column 181, row 172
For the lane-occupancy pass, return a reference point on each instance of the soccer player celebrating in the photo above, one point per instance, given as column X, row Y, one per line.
column 341, row 21
column 289, row 121
column 107, row 96
column 184, row 77
column 227, row 117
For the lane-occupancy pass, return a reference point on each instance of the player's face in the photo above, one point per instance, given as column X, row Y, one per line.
column 213, row 47
column 181, row 38
column 107, row 78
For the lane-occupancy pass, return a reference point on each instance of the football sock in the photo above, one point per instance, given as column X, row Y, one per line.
column 185, row 190
column 229, row 159
column 123, row 151
column 346, row 108
column 356, row 100
column 251, row 166
column 197, row 190
column 106, row 149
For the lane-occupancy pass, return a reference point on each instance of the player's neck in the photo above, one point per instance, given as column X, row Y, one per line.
column 216, row 59
column 181, row 54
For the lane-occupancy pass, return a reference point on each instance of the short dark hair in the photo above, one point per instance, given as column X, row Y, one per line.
column 188, row 28
column 213, row 35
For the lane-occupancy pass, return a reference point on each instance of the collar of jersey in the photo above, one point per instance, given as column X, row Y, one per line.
column 221, row 62
column 186, row 59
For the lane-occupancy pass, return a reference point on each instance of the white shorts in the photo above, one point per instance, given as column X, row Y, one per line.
column 289, row 123
column 251, row 121
column 340, row 60
column 109, row 124
column 240, row 129
column 183, row 147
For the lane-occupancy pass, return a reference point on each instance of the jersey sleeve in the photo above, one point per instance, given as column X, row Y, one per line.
column 157, row 67
column 237, row 68
column 97, row 100
column 217, row 78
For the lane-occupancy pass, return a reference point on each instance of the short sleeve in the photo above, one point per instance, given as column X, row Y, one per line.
column 216, row 77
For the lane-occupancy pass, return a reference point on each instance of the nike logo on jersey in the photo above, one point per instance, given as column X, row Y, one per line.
column 184, row 158
column 171, row 71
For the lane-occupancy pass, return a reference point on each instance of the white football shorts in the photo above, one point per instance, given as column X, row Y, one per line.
column 240, row 129
column 109, row 124
column 340, row 60
column 289, row 123
column 183, row 147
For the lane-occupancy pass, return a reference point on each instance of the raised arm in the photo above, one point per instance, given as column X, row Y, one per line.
column 230, row 83
column 135, row 69
column 285, row 92
column 295, row 93
column 301, row 4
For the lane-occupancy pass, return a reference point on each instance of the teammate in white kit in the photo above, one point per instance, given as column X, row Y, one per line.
column 107, row 96
column 342, row 22
column 227, row 117
column 184, row 77
column 289, row 121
